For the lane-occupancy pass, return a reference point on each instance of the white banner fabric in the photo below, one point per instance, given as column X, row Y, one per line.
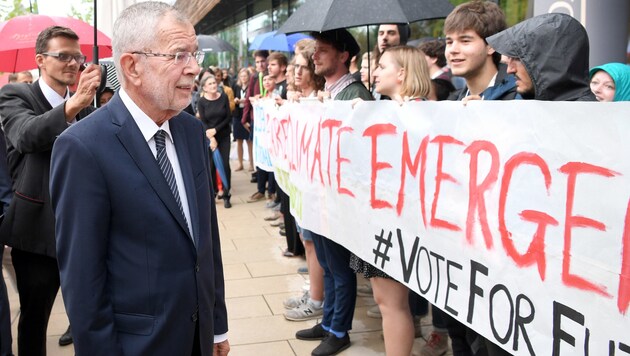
column 513, row 216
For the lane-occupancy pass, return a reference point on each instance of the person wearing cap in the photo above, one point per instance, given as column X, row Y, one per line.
column 333, row 51
column 389, row 35
column 548, row 55
column 611, row 82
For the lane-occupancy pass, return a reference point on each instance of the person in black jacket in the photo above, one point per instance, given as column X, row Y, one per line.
column 214, row 112
column 548, row 54
column 33, row 115
column 471, row 57
column 240, row 132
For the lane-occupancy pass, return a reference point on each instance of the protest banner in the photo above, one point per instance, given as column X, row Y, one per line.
column 513, row 217
column 261, row 153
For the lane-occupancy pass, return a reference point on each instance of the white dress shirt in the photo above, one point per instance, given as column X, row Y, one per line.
column 52, row 96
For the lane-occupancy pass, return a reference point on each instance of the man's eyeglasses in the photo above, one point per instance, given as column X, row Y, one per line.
column 179, row 57
column 66, row 57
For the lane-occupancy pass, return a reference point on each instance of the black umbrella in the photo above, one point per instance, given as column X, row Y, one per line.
column 323, row 15
column 209, row 43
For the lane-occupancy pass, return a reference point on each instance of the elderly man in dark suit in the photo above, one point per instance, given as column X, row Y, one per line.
column 137, row 235
column 33, row 115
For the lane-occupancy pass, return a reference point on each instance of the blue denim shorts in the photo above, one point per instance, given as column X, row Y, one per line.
column 306, row 234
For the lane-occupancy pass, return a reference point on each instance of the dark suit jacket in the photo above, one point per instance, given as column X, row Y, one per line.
column 133, row 282
column 31, row 126
column 252, row 90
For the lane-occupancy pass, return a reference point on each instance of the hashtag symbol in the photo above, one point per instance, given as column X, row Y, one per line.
column 382, row 254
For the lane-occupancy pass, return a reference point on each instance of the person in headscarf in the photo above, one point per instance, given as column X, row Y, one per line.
column 611, row 82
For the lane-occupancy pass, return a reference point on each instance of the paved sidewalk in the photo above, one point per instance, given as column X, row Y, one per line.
column 258, row 278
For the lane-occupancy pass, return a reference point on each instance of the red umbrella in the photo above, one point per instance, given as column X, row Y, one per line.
column 18, row 36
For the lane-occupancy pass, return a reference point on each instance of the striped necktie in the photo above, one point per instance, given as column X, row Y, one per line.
column 167, row 169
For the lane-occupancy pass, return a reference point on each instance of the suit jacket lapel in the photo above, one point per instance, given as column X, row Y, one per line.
column 133, row 141
column 184, row 155
column 41, row 98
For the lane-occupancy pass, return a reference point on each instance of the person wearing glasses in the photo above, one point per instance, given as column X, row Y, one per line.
column 137, row 235
column 33, row 115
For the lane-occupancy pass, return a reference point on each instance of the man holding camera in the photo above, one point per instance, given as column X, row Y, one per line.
column 33, row 115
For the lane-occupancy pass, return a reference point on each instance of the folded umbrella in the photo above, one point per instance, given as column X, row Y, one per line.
column 218, row 164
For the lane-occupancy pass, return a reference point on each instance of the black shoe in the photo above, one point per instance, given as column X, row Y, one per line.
column 314, row 333
column 332, row 345
column 226, row 202
column 66, row 338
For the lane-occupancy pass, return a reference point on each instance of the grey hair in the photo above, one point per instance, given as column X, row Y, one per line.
column 134, row 30
column 206, row 78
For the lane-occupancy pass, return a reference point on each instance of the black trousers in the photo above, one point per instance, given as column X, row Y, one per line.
column 196, row 350
column 223, row 145
column 38, row 283
column 294, row 243
column 266, row 181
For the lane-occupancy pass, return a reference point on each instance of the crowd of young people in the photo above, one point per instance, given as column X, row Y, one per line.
column 480, row 56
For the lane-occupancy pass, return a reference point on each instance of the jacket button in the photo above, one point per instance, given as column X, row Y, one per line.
column 194, row 317
column 197, row 268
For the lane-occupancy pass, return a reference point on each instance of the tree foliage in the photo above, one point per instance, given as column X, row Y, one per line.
column 12, row 8
column 84, row 11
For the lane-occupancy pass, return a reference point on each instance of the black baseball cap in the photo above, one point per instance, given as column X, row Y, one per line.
column 340, row 38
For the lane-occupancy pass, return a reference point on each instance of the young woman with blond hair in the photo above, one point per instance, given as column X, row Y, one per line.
column 403, row 75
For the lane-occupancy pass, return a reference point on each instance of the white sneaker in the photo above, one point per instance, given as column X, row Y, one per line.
column 305, row 311
column 437, row 345
column 294, row 302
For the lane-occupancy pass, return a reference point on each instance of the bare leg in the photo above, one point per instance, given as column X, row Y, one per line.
column 239, row 151
column 250, row 151
column 393, row 301
column 315, row 272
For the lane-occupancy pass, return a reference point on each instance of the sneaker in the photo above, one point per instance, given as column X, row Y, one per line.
column 332, row 345
column 365, row 290
column 294, row 302
column 256, row 197
column 374, row 312
column 314, row 333
column 273, row 217
column 302, row 270
column 271, row 204
column 276, row 208
column 306, row 311
column 437, row 345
